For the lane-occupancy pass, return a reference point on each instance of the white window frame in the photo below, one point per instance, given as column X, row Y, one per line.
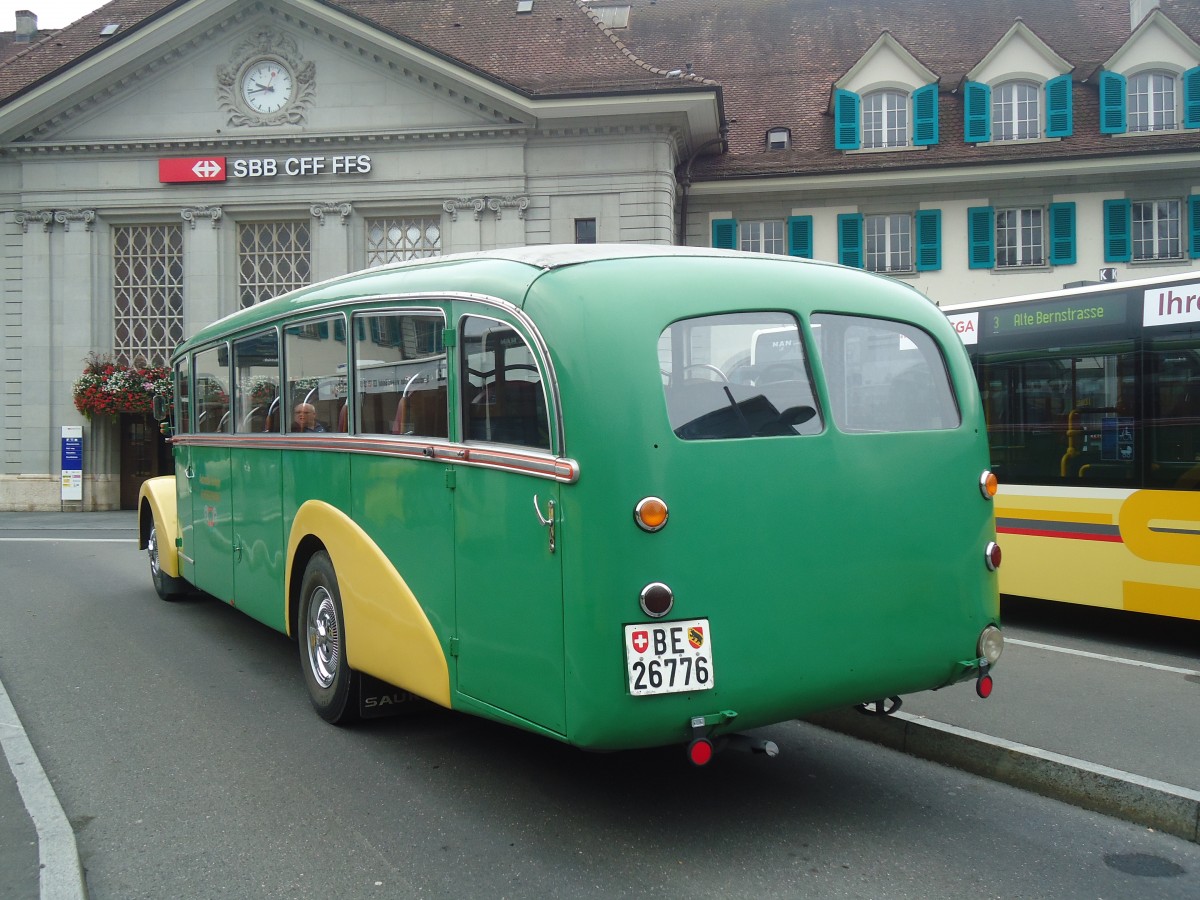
column 1156, row 230
column 1016, row 111
column 762, row 236
column 1152, row 101
column 887, row 243
column 885, row 119
column 1021, row 237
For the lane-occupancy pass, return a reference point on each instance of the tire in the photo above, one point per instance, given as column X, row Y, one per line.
column 168, row 587
column 332, row 684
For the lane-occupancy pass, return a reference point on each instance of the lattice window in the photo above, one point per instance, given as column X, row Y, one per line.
column 147, row 292
column 273, row 258
column 393, row 240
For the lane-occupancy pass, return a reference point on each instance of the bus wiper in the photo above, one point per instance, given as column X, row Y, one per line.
column 738, row 409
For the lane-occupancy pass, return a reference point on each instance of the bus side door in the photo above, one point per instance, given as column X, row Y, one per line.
column 211, row 485
column 509, row 605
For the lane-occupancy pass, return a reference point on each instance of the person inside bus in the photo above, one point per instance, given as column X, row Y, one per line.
column 305, row 419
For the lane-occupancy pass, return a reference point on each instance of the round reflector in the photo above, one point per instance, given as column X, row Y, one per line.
column 650, row 514
column 700, row 751
column 988, row 484
column 991, row 556
column 983, row 687
column 656, row 599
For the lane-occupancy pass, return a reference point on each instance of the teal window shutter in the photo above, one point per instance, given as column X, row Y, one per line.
column 800, row 236
column 1059, row 118
column 1194, row 226
column 1062, row 234
column 928, row 226
column 977, row 123
column 724, row 233
column 1191, row 98
column 1118, row 247
column 1112, row 103
column 981, row 239
column 925, row 115
column 850, row 228
column 847, row 110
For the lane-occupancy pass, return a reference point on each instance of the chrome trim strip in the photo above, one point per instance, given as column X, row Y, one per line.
column 524, row 462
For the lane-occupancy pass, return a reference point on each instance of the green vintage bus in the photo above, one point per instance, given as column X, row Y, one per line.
column 622, row 496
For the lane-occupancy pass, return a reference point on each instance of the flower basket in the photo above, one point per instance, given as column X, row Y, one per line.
column 108, row 388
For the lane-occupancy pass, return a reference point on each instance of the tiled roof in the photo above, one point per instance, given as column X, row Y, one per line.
column 775, row 60
column 557, row 49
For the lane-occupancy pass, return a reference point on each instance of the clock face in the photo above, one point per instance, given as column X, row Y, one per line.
column 267, row 86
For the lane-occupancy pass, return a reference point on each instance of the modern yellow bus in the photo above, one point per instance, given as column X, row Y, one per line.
column 1092, row 398
column 621, row 496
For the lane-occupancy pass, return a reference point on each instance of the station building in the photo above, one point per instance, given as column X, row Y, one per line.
column 166, row 162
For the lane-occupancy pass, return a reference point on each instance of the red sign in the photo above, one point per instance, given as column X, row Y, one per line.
column 194, row 169
column 640, row 641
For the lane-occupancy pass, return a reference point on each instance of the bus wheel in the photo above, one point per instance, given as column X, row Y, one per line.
column 168, row 588
column 331, row 682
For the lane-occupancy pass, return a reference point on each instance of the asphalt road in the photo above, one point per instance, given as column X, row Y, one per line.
column 179, row 740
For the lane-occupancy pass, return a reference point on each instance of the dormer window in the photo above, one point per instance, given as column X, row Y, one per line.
column 1152, row 83
column 878, row 120
column 1016, row 115
column 884, row 120
column 887, row 100
column 1151, row 102
column 779, row 139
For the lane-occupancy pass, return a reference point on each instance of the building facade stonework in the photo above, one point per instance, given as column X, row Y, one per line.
column 165, row 162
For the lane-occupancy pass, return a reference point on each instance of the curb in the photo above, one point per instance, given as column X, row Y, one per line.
column 60, row 874
column 1123, row 795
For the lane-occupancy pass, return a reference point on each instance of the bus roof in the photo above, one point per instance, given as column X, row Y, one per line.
column 505, row 274
column 1097, row 288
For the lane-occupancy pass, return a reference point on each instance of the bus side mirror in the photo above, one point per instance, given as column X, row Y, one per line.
column 160, row 407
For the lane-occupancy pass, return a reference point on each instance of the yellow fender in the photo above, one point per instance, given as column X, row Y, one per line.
column 388, row 634
column 159, row 494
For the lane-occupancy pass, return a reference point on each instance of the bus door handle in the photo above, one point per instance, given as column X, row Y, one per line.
column 547, row 520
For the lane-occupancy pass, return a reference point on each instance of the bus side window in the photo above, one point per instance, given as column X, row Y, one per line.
column 502, row 393
column 212, row 391
column 401, row 374
column 316, row 357
column 1173, row 422
column 183, row 405
column 256, row 370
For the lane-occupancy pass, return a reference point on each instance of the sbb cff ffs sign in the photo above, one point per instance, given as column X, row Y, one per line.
column 217, row 168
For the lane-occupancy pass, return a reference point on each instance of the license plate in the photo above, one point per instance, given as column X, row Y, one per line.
column 669, row 657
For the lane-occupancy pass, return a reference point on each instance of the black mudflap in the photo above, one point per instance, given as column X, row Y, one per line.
column 377, row 699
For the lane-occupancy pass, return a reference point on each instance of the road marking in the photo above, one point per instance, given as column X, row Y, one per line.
column 73, row 540
column 1100, row 656
column 61, row 876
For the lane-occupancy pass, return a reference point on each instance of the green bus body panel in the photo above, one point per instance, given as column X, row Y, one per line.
column 833, row 568
column 858, row 575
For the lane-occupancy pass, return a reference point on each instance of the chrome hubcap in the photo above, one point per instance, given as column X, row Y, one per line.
column 152, row 551
column 324, row 644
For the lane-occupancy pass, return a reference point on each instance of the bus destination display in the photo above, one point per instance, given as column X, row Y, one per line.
column 1080, row 312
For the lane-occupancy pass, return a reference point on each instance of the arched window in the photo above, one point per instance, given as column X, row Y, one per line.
column 1015, row 112
column 884, row 119
column 1151, row 102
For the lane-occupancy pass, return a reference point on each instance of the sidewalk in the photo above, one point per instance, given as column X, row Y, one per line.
column 1097, row 732
column 38, row 855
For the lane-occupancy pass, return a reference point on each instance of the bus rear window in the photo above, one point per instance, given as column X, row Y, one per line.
column 883, row 375
column 737, row 375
